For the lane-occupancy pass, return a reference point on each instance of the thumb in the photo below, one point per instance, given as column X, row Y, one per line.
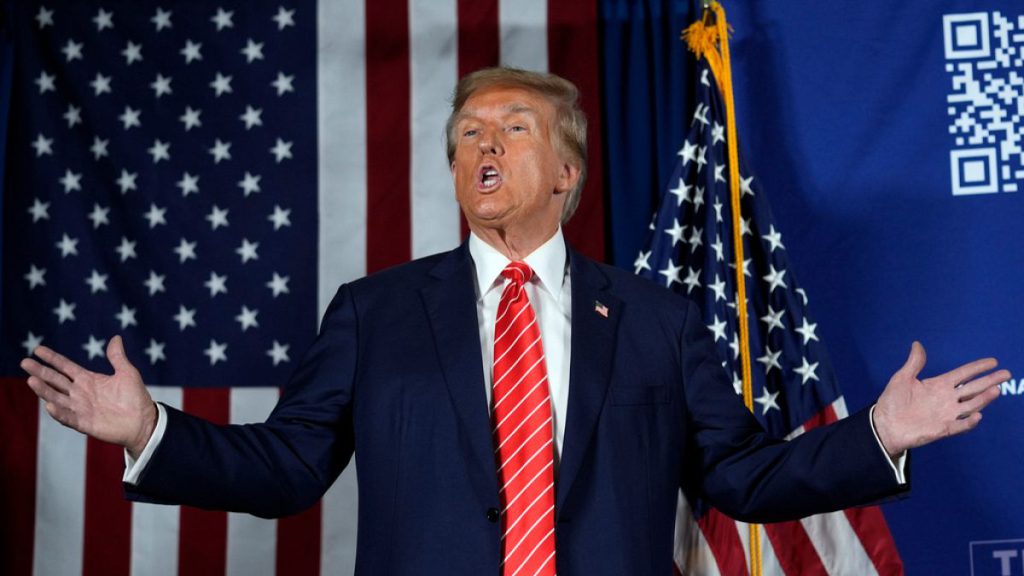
column 916, row 360
column 116, row 355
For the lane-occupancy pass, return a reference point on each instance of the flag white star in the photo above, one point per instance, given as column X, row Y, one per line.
column 278, row 353
column 216, row 352
column 773, row 319
column 71, row 181
column 681, row 192
column 718, row 329
column 162, row 19
column 191, row 118
column 803, row 295
column 130, row 117
column 250, row 184
column 155, row 215
column 278, row 285
column 737, row 385
column 252, row 51
column 39, row 210
column 42, row 145
column 807, row 371
column 767, row 401
column 221, row 84
column 185, row 250
column 222, row 19
column 72, row 50
column 281, row 150
column 97, row 282
column 192, row 51
column 773, row 238
column 692, row 279
column 770, row 359
column 718, row 286
column 44, row 17
column 746, row 266
column 676, row 232
column 702, row 157
column 103, row 20
column 161, row 86
column 720, row 173
column 671, row 273
column 189, row 184
column 126, row 181
column 745, row 189
column 220, row 151
column 155, row 282
column 283, row 83
column 734, row 345
column 65, row 311
column 701, row 114
column 252, row 117
column 688, row 153
column 186, row 317
column 126, row 249
column 100, row 84
column 46, row 83
column 126, row 317
column 159, row 151
column 31, row 342
column 94, row 347
column 717, row 133
column 280, row 217
column 99, row 216
column 775, row 278
column 806, row 330
column 99, row 148
column 247, row 251
column 217, row 217
column 155, row 351
column 284, row 18
column 35, row 277
column 642, row 262
column 217, row 284
column 718, row 210
column 696, row 239
column 73, row 116
column 745, row 226
column 132, row 53
column 698, row 198
column 247, row 318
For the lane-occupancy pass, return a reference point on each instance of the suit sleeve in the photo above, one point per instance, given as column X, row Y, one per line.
column 755, row 478
column 279, row 467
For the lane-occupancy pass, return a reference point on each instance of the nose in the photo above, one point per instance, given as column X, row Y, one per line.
column 490, row 143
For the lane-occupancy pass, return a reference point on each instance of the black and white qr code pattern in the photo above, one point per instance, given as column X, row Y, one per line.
column 985, row 58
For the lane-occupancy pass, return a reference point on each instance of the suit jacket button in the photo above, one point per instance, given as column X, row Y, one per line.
column 492, row 514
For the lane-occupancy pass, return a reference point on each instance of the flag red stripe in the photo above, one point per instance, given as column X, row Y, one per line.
column 388, row 155
column 108, row 516
column 873, row 533
column 572, row 53
column 18, row 429
column 724, row 541
column 298, row 543
column 794, row 550
column 826, row 416
column 204, row 533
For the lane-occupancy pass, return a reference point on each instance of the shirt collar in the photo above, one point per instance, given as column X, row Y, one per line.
column 548, row 263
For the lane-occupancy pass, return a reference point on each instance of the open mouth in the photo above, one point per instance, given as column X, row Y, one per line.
column 489, row 179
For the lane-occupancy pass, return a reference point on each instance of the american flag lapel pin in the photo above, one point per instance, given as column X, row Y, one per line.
column 600, row 308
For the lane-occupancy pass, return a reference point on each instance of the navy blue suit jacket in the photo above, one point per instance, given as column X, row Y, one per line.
column 395, row 377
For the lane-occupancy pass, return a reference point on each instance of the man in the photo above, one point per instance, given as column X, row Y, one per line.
column 513, row 406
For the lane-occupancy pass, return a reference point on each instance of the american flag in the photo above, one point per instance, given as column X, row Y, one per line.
column 690, row 250
column 200, row 177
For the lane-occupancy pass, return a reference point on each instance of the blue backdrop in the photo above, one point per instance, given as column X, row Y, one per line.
column 887, row 137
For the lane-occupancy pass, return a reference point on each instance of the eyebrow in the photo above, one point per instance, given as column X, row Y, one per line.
column 511, row 108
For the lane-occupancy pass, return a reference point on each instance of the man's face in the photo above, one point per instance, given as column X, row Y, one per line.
column 507, row 172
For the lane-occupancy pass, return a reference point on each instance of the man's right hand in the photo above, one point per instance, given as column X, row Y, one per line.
column 113, row 408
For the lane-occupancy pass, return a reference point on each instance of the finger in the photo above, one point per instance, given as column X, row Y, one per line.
column 48, row 375
column 970, row 389
column 60, row 362
column 979, row 401
column 47, row 393
column 959, row 375
column 116, row 355
column 915, row 362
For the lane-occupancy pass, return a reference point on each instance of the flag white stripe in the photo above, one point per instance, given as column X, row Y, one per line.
column 838, row 545
column 769, row 562
column 524, row 33
column 433, row 66
column 248, row 549
column 60, row 503
column 692, row 552
column 155, row 527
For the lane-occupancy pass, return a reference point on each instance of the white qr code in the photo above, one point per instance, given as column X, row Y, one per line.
column 985, row 58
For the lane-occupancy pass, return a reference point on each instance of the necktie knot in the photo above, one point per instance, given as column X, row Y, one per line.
column 518, row 272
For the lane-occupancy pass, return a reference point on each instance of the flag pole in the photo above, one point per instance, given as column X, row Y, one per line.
column 711, row 41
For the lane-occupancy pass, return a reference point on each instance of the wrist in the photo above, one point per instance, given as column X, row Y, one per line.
column 148, row 425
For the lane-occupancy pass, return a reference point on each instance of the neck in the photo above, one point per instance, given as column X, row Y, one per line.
column 515, row 246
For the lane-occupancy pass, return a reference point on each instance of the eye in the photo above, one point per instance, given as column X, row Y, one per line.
column 470, row 132
column 517, row 128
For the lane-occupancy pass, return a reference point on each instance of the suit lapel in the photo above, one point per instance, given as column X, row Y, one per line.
column 595, row 317
column 450, row 302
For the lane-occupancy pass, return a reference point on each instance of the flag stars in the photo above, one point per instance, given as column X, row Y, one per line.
column 132, row 53
column 100, row 84
column 221, row 84
column 99, row 148
column 718, row 210
column 734, row 345
column 159, row 151
column 44, row 17
column 247, row 318
column 252, row 51
column 103, row 20
column 671, row 273
column 284, row 18
column 161, row 86
column 247, row 250
column 126, row 317
column 676, row 232
column 720, row 173
column 31, row 342
column 718, row 329
column 185, row 250
column 223, row 19
column 126, row 181
column 42, row 145
column 737, row 385
column 773, row 238
column 746, row 267
column 126, row 249
column 698, row 198
column 155, row 216
column 745, row 226
column 688, row 153
column 281, row 150
column 807, row 371
column 94, row 347
column 745, row 189
column 71, row 181
column 39, row 210
column 278, row 284
column 775, row 278
column 35, row 277
column 46, row 83
column 252, row 117
column 770, row 360
column 191, row 118
column 216, row 352
column 97, row 282
column 807, row 331
column 250, row 184
column 803, row 295
column 717, row 133
column 642, row 262
column 278, row 353
column 217, row 284
column 718, row 286
column 188, row 184
column 217, row 217
column 220, row 151
column 701, row 114
column 72, row 50
column 155, row 351
column 696, row 239
column 283, row 83
column 130, row 118
column 719, row 249
column 99, row 216
column 773, row 319
column 192, row 51
column 681, row 192
column 155, row 283
column 767, row 401
column 73, row 116
column 186, row 318
column 280, row 217
column 702, row 157
column 692, row 279
column 65, row 311
column 162, row 19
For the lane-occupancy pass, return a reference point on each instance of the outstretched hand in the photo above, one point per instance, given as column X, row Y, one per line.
column 113, row 408
column 912, row 412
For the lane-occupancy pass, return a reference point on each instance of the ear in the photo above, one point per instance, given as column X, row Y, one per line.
column 568, row 176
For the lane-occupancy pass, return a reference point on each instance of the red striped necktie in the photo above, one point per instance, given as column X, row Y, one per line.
column 522, row 433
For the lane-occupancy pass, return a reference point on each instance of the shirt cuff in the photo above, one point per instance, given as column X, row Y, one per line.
column 133, row 468
column 898, row 464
